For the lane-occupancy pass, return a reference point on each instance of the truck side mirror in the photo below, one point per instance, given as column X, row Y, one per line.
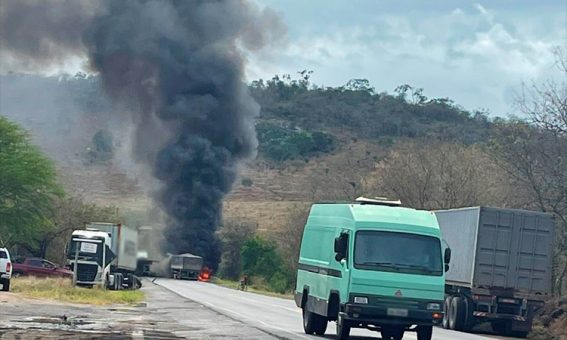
column 447, row 257
column 341, row 247
column 338, row 245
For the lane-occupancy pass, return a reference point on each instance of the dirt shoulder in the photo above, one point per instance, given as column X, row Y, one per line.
column 163, row 315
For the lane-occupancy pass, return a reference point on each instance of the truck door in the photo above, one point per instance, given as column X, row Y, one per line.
column 514, row 250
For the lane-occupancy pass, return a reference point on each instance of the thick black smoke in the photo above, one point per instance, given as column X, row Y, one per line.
column 177, row 68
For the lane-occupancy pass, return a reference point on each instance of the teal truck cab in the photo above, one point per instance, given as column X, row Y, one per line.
column 371, row 264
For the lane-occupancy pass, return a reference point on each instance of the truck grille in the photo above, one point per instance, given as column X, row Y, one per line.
column 86, row 272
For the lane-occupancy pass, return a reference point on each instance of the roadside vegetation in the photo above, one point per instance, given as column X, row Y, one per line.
column 36, row 215
column 321, row 143
column 63, row 290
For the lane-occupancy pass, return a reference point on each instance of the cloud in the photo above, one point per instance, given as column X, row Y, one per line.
column 473, row 54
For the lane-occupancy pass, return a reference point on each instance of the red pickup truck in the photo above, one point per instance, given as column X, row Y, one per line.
column 39, row 267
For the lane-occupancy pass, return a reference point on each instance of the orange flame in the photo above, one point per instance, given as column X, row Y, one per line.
column 205, row 275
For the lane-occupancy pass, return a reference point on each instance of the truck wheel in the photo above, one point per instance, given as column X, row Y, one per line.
column 424, row 332
column 446, row 308
column 457, row 313
column 320, row 324
column 343, row 328
column 131, row 281
column 308, row 321
column 6, row 285
column 502, row 327
column 519, row 334
column 118, row 278
column 468, row 318
column 392, row 333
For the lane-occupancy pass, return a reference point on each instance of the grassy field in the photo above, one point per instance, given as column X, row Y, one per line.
column 252, row 289
column 63, row 290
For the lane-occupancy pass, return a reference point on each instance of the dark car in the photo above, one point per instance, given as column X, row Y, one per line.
column 38, row 267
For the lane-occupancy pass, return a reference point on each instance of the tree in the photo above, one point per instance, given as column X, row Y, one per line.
column 428, row 175
column 233, row 234
column 28, row 187
column 537, row 160
column 260, row 258
column 546, row 104
column 71, row 213
column 535, row 155
column 288, row 235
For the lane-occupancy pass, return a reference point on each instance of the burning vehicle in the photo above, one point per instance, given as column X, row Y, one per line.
column 186, row 266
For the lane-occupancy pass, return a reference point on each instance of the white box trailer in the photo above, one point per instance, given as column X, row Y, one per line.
column 500, row 267
column 123, row 243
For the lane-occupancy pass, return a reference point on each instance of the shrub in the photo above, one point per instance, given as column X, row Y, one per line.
column 247, row 182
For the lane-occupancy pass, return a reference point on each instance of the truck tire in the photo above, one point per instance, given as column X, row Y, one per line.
column 502, row 327
column 311, row 322
column 446, row 308
column 468, row 318
column 457, row 313
column 118, row 278
column 424, row 332
column 320, row 324
column 343, row 328
column 6, row 285
column 392, row 333
column 131, row 281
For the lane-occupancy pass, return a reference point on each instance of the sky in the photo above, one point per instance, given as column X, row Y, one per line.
column 476, row 53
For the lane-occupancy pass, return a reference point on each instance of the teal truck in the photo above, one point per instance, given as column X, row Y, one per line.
column 371, row 264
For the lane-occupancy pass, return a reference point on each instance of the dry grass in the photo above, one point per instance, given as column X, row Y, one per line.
column 251, row 289
column 60, row 289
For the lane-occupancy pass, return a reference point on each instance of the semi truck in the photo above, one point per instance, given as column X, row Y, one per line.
column 104, row 254
column 501, row 267
column 186, row 266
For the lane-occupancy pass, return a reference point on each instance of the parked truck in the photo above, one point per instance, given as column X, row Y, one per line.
column 500, row 271
column 371, row 264
column 186, row 266
column 104, row 254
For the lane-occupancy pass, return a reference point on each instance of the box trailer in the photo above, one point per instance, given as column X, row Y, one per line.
column 500, row 268
column 186, row 266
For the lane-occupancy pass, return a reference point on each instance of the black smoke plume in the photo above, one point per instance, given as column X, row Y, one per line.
column 177, row 68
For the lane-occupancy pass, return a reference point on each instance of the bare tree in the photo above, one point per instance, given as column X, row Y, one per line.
column 288, row 235
column 71, row 213
column 546, row 103
column 429, row 175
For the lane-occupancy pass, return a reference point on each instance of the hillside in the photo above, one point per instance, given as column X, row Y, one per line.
column 315, row 143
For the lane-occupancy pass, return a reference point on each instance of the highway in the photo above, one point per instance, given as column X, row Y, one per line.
column 276, row 316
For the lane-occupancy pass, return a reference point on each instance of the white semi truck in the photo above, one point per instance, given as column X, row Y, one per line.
column 104, row 254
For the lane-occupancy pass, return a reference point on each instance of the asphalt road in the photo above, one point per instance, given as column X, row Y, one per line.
column 276, row 316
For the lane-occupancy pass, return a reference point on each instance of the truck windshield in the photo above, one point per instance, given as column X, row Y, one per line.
column 398, row 252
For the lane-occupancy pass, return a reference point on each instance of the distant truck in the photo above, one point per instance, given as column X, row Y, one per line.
column 31, row 266
column 186, row 266
column 104, row 254
column 371, row 264
column 501, row 267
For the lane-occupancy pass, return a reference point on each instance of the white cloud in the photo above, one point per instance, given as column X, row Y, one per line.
column 473, row 55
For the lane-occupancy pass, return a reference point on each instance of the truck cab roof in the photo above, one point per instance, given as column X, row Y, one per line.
column 362, row 215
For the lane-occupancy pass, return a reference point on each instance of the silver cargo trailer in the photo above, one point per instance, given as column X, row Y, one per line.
column 500, row 267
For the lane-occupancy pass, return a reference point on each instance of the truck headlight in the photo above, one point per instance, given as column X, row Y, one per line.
column 433, row 306
column 361, row 299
